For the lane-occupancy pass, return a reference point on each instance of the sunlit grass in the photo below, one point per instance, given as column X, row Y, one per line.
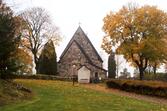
column 62, row 96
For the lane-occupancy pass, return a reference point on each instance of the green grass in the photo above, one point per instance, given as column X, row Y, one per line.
column 62, row 96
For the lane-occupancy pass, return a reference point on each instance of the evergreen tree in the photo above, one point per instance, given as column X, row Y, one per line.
column 48, row 60
column 111, row 65
column 9, row 39
column 40, row 30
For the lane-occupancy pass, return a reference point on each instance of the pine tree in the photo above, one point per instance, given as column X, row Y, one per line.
column 111, row 65
column 48, row 60
column 9, row 40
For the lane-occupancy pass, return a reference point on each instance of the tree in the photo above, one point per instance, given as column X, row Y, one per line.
column 48, row 60
column 165, row 68
column 24, row 61
column 125, row 74
column 111, row 65
column 38, row 29
column 139, row 34
column 154, row 64
column 9, row 40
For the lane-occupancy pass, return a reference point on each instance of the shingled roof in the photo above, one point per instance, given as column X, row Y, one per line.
column 86, row 56
column 79, row 30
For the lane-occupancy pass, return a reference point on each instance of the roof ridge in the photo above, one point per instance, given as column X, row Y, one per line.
column 87, row 57
column 72, row 39
column 92, row 46
column 90, row 62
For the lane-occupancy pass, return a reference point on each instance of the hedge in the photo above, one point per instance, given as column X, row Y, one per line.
column 42, row 77
column 152, row 88
column 52, row 77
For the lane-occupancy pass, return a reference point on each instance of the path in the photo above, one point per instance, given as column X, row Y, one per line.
column 102, row 88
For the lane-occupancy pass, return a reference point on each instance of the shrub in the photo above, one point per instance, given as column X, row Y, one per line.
column 153, row 88
column 158, row 76
column 42, row 77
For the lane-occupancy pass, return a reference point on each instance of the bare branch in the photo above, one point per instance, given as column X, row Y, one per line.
column 38, row 30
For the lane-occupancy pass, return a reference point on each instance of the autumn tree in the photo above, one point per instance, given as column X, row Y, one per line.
column 48, row 60
column 159, row 57
column 154, row 65
column 165, row 68
column 111, row 65
column 107, row 45
column 38, row 29
column 24, row 61
column 9, row 40
column 139, row 34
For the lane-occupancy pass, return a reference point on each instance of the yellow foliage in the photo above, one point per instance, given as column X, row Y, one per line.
column 25, row 60
column 140, row 31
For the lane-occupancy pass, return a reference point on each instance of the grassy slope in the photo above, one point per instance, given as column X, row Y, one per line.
column 62, row 96
column 9, row 93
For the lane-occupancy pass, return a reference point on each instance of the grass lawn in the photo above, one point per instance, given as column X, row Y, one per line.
column 62, row 96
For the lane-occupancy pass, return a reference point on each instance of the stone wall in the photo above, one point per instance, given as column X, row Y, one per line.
column 80, row 52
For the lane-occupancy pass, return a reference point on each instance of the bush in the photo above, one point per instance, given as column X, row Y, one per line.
column 153, row 88
column 42, row 77
column 158, row 76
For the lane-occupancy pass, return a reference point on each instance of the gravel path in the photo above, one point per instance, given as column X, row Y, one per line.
column 102, row 88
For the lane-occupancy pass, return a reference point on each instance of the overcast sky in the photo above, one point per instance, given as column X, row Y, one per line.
column 67, row 14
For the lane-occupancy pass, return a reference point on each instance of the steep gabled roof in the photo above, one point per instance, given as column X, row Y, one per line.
column 73, row 38
column 84, row 53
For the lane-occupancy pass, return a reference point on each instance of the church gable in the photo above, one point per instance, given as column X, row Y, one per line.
column 80, row 52
column 74, row 54
column 85, row 44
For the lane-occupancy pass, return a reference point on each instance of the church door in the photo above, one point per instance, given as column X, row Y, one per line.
column 83, row 75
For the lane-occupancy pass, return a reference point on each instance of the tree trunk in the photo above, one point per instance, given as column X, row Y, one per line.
column 149, row 69
column 141, row 73
column 155, row 68
column 36, row 63
column 142, row 64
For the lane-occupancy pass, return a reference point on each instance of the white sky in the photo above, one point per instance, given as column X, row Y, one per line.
column 67, row 14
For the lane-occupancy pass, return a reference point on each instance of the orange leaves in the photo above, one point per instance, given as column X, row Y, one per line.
column 138, row 33
column 24, row 56
column 135, row 28
column 106, row 44
column 25, row 42
column 24, row 59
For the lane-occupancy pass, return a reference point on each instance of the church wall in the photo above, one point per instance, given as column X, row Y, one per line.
column 72, row 56
column 75, row 56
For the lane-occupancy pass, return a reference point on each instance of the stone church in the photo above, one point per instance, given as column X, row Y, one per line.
column 81, row 59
